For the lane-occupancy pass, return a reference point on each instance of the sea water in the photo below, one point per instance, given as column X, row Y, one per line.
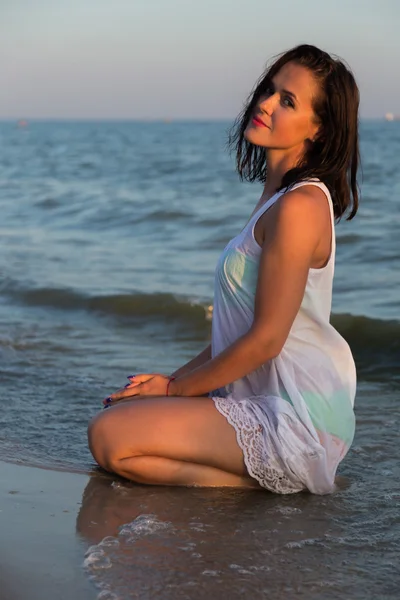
column 110, row 233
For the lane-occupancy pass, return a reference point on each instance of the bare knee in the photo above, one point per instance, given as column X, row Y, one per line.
column 105, row 442
column 100, row 441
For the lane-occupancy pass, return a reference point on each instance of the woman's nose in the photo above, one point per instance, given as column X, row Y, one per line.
column 267, row 103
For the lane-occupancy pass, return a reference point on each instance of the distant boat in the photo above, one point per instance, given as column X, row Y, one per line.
column 22, row 123
column 392, row 117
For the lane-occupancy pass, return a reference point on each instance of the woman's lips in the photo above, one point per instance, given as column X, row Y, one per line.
column 258, row 123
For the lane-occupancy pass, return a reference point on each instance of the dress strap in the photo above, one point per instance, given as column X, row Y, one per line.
column 264, row 207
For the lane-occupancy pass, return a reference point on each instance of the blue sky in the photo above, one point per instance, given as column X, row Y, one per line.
column 186, row 59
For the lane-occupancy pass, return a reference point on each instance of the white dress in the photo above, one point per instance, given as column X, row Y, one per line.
column 293, row 416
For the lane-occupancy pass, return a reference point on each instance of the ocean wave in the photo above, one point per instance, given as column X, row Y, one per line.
column 154, row 305
column 375, row 343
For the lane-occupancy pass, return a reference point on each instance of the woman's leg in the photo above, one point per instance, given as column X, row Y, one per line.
column 169, row 441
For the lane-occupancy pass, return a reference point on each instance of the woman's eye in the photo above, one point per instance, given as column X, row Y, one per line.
column 288, row 102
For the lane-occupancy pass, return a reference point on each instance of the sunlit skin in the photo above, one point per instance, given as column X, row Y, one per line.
column 183, row 440
column 291, row 125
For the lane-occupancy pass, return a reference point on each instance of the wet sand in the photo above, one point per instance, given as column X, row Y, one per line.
column 94, row 536
column 40, row 553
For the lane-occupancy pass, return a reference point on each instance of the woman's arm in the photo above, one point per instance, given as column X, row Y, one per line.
column 295, row 229
column 296, row 225
column 197, row 361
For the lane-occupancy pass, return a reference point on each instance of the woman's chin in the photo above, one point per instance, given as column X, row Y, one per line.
column 255, row 137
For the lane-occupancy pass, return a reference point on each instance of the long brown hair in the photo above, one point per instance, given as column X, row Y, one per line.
column 334, row 156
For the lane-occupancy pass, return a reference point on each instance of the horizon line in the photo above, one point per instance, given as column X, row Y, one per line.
column 165, row 120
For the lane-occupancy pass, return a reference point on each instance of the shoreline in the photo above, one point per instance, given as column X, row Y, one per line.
column 40, row 553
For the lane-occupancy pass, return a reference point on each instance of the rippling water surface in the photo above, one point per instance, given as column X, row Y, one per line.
column 110, row 234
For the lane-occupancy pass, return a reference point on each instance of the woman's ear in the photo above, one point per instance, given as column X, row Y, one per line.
column 319, row 136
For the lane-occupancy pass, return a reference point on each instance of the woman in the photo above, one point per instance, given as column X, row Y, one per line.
column 269, row 404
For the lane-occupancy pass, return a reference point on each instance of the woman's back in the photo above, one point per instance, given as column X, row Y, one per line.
column 314, row 374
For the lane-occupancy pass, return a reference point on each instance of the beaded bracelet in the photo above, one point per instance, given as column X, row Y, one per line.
column 169, row 381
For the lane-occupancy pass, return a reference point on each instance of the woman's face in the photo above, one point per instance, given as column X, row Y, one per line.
column 284, row 118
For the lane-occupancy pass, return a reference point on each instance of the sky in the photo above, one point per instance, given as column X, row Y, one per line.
column 181, row 59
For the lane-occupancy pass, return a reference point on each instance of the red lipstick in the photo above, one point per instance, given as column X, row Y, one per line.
column 258, row 123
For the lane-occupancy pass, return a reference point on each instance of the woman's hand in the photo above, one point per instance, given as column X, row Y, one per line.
column 144, row 384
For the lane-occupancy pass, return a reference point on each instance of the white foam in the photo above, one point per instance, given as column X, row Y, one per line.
column 288, row 510
column 107, row 595
column 97, row 560
column 240, row 569
column 109, row 541
column 302, row 543
column 143, row 525
column 121, row 489
column 105, row 554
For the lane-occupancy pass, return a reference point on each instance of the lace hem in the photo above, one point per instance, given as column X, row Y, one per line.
column 261, row 461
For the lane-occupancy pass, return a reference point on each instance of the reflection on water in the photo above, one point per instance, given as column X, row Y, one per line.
column 108, row 270
column 160, row 542
column 177, row 543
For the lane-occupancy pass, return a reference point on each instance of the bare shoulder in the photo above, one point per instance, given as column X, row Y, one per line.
column 304, row 210
column 307, row 204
